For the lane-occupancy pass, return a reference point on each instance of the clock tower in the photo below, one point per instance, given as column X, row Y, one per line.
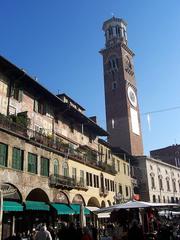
column 122, row 110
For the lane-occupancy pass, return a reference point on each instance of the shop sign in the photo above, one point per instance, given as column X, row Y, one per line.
column 61, row 198
column 9, row 191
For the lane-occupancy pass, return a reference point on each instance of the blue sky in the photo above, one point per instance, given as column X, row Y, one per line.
column 58, row 42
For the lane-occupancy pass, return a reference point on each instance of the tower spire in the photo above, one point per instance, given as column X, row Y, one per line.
column 115, row 31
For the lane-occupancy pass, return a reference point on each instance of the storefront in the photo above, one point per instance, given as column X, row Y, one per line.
column 12, row 210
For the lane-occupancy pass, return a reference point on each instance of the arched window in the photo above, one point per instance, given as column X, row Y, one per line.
column 56, row 167
column 168, row 185
column 174, row 185
column 152, row 182
column 154, row 198
column 65, row 169
column 160, row 182
column 113, row 63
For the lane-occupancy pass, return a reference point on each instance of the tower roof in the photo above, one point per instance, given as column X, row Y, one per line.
column 113, row 20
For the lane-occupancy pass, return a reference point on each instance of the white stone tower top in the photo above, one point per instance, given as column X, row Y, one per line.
column 115, row 31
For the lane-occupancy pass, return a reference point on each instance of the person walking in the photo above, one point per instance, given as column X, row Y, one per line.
column 43, row 234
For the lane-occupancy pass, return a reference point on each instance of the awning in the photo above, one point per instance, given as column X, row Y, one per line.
column 99, row 215
column 38, row 206
column 63, row 209
column 11, row 206
column 76, row 208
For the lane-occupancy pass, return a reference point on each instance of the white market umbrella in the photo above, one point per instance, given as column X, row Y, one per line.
column 133, row 204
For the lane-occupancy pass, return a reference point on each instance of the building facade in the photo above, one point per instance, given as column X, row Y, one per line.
column 121, row 102
column 170, row 154
column 51, row 157
column 157, row 180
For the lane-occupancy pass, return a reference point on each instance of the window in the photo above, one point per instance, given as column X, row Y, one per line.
column 74, row 173
column 120, row 188
column 87, row 178
column 128, row 170
column 71, row 126
column 109, row 154
column 56, row 167
column 160, row 183
column 174, row 185
column 114, row 85
column 39, row 107
column 16, row 93
column 152, row 182
column 127, row 191
column 94, row 180
column 17, row 158
column 168, row 185
column 112, row 185
column 90, row 179
column 90, row 138
column 113, row 63
column 97, row 181
column 106, row 156
column 65, row 169
column 32, row 163
column 124, row 168
column 3, row 154
column 154, row 198
column 82, row 177
column 118, row 165
column 44, row 166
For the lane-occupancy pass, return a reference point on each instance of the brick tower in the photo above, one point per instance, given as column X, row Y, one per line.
column 122, row 110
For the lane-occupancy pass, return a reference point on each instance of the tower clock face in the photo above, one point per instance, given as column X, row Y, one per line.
column 132, row 96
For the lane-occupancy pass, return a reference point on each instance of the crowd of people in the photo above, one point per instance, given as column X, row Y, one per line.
column 62, row 232
column 160, row 229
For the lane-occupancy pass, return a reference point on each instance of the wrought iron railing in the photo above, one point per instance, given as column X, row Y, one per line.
column 58, row 181
column 88, row 158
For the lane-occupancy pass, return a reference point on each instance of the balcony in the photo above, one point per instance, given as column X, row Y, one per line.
column 7, row 124
column 107, row 167
column 63, row 182
column 81, row 185
column 85, row 155
column 103, row 192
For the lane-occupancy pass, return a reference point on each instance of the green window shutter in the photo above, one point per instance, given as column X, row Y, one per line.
column 32, row 163
column 44, row 166
column 3, row 154
column 56, row 167
column 17, row 160
column 20, row 95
